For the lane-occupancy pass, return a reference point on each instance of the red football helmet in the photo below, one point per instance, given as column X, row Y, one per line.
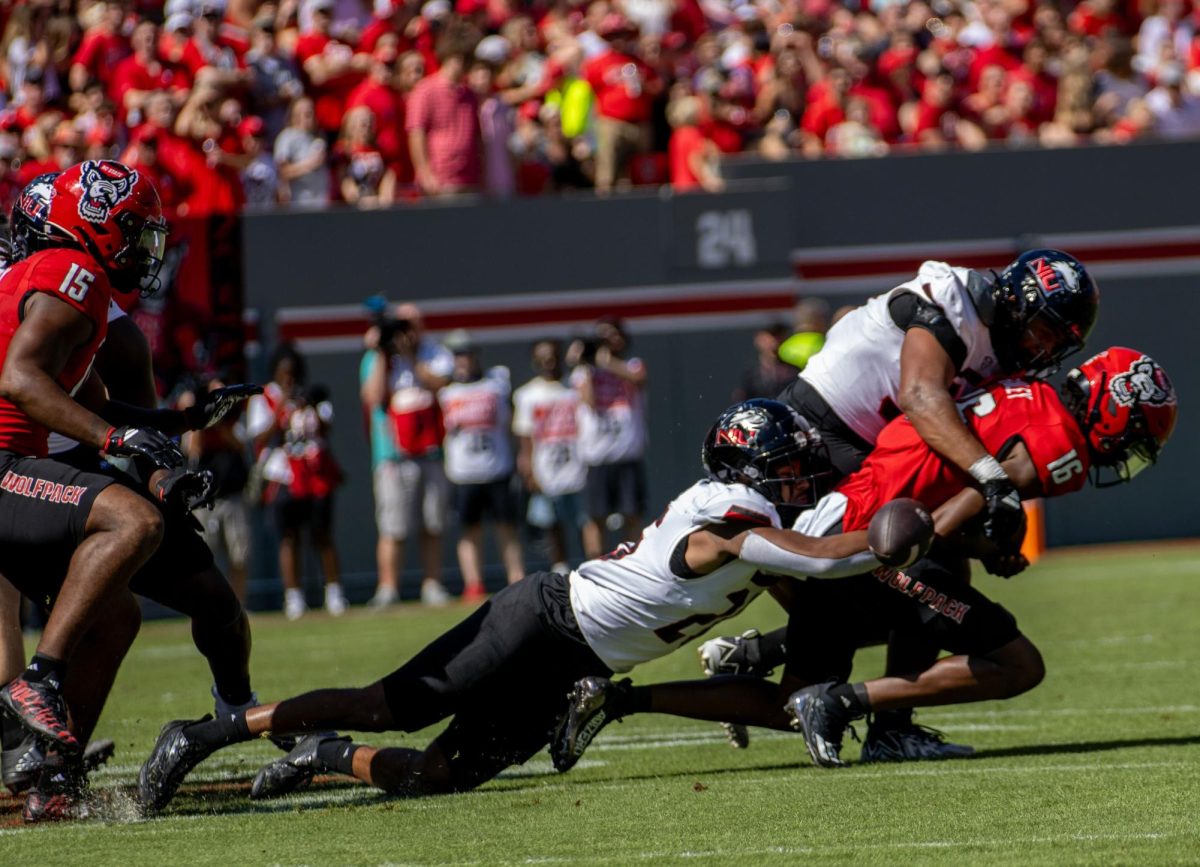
column 1126, row 406
column 112, row 212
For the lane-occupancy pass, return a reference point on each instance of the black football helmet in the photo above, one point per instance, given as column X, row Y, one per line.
column 29, row 232
column 1044, row 306
column 766, row 446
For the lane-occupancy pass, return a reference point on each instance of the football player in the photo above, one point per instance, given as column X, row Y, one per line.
column 1117, row 412
column 53, row 318
column 918, row 348
column 502, row 672
column 220, row 628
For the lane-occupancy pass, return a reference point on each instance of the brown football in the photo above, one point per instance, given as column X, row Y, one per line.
column 900, row 533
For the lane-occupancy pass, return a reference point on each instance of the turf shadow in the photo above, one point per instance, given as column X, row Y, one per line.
column 1087, row 747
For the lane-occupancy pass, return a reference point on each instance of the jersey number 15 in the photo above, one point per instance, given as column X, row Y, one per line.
column 77, row 283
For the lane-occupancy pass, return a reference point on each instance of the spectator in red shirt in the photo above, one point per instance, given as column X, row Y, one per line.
column 101, row 49
column 143, row 155
column 32, row 103
column 826, row 109
column 364, row 178
column 692, row 155
column 140, row 74
column 442, row 121
column 625, row 89
column 985, row 107
column 378, row 93
column 331, row 66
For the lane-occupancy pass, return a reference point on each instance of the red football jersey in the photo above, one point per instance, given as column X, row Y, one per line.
column 71, row 276
column 902, row 465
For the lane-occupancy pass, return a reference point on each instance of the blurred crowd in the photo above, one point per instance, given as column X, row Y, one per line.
column 249, row 103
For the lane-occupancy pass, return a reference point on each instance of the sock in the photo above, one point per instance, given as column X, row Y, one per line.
column 852, row 697
column 338, row 755
column 46, row 669
column 639, row 700
column 769, row 651
column 220, row 732
column 234, row 691
column 899, row 718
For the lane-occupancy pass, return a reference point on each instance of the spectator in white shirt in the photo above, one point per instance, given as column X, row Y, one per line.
column 479, row 462
column 545, row 414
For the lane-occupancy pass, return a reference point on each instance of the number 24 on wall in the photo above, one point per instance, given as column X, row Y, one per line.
column 77, row 283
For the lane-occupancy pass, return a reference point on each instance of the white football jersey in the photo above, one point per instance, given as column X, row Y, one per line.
column 546, row 411
column 477, row 418
column 857, row 372
column 615, row 429
column 58, row 444
column 631, row 605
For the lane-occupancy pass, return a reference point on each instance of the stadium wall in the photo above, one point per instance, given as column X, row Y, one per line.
column 694, row 275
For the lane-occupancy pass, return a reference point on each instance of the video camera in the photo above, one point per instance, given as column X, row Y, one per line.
column 389, row 326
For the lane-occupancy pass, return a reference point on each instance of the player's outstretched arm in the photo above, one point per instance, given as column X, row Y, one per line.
column 786, row 552
column 38, row 353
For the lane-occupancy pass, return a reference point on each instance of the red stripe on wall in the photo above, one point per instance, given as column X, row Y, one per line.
column 476, row 315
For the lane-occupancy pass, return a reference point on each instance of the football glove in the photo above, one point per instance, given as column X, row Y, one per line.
column 145, row 443
column 187, row 489
column 1004, row 519
column 1005, row 565
column 212, row 407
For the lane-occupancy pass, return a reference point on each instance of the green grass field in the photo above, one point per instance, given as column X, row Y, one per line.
column 1099, row 765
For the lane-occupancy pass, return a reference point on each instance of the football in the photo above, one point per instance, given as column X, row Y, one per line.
column 900, row 533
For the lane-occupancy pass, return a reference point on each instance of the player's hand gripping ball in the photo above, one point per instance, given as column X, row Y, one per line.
column 900, row 533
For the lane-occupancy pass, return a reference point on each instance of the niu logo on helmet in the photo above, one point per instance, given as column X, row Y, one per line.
column 103, row 186
column 1142, row 383
column 1052, row 275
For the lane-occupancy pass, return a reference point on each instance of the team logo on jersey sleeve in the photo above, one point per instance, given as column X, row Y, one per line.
column 1144, row 382
column 103, row 186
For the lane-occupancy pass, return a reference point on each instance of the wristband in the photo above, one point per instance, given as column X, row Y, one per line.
column 987, row 469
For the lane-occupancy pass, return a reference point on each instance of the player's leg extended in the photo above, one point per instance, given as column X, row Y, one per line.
column 12, row 644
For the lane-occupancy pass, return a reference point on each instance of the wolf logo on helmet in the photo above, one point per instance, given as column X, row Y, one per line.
column 103, row 186
column 1144, row 382
column 741, row 428
column 34, row 201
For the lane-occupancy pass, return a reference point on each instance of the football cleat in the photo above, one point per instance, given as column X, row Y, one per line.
column 59, row 794
column 22, row 763
column 590, row 710
column 909, row 743
column 726, row 654
column 173, row 757
column 40, row 708
column 822, row 721
column 294, row 770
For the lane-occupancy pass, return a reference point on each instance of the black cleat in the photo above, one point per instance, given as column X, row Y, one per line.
column 40, row 708
column 909, row 743
column 294, row 770
column 21, row 764
column 591, row 709
column 822, row 721
column 59, row 794
column 173, row 757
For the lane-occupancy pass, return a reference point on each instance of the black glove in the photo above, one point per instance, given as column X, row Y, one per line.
column 187, row 489
column 143, row 442
column 212, row 407
column 1005, row 565
column 1003, row 517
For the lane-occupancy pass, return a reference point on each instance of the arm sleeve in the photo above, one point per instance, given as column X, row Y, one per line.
column 769, row 557
column 910, row 311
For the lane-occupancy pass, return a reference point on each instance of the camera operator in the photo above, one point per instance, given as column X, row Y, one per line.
column 612, row 433
column 401, row 374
